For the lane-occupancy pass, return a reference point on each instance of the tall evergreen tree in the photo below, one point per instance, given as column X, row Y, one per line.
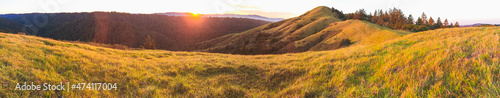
column 438, row 24
column 430, row 22
column 360, row 14
column 339, row 14
column 456, row 24
column 380, row 20
column 410, row 20
column 419, row 21
column 424, row 18
column 375, row 17
column 386, row 19
column 446, row 24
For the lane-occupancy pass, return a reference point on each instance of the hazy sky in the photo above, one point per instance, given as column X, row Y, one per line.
column 463, row 11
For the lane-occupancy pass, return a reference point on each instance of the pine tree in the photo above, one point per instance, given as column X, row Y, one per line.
column 430, row 21
column 424, row 18
column 360, row 14
column 419, row 21
column 339, row 14
column 438, row 24
column 401, row 19
column 456, row 24
column 410, row 20
column 349, row 16
column 380, row 20
column 451, row 25
column 369, row 17
column 375, row 17
column 386, row 19
column 446, row 24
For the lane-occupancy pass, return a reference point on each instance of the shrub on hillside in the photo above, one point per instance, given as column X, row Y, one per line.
column 345, row 42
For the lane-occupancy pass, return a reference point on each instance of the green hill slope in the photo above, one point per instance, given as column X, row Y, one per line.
column 315, row 30
column 456, row 62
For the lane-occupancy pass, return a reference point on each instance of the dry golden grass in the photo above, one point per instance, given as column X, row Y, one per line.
column 316, row 30
column 457, row 62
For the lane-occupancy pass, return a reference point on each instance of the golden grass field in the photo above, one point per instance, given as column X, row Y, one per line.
column 315, row 30
column 456, row 62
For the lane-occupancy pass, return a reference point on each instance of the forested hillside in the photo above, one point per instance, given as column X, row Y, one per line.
column 167, row 32
column 9, row 26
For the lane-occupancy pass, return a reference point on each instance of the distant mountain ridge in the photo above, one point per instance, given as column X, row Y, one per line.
column 256, row 17
column 480, row 24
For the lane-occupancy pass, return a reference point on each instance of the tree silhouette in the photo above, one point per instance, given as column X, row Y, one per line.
column 360, row 14
column 419, row 21
column 424, row 18
column 395, row 19
column 456, row 24
column 375, row 17
column 438, row 24
column 386, row 19
column 446, row 24
column 339, row 14
column 410, row 19
column 430, row 22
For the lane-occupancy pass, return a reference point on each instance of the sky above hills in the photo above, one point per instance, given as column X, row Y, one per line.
column 463, row 11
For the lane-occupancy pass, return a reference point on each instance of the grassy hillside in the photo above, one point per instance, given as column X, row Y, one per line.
column 315, row 30
column 169, row 32
column 456, row 62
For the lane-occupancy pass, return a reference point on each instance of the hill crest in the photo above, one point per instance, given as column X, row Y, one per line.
column 315, row 30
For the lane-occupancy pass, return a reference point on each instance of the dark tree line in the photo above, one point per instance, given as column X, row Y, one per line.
column 395, row 19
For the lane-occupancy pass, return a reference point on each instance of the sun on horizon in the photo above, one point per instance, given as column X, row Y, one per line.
column 195, row 14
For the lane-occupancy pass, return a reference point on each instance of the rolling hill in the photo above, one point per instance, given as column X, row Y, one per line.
column 455, row 62
column 337, row 59
column 169, row 32
column 316, row 30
